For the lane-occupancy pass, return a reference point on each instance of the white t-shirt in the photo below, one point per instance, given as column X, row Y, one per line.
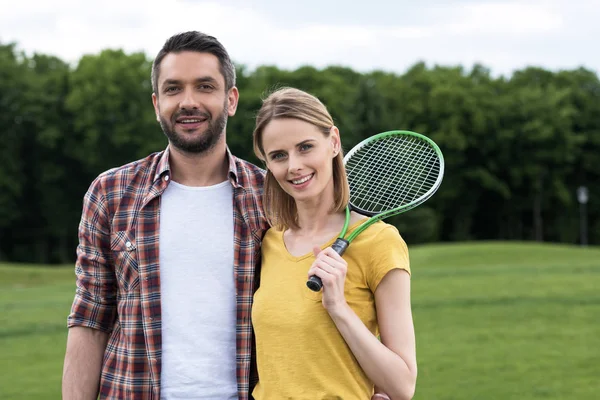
column 198, row 297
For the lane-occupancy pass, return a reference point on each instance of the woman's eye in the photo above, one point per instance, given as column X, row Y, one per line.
column 305, row 147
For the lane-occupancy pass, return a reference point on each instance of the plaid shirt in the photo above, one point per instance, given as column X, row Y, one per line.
column 118, row 279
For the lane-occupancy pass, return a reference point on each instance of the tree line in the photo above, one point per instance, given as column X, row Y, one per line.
column 516, row 148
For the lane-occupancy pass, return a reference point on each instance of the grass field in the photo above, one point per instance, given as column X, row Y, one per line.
column 493, row 321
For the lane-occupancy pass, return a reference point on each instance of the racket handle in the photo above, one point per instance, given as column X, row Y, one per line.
column 340, row 245
column 314, row 283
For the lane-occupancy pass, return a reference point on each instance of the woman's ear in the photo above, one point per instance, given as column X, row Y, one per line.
column 334, row 134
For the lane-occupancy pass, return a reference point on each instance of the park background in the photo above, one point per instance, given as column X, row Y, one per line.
column 505, row 256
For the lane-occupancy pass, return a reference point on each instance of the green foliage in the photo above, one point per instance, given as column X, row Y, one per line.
column 113, row 118
column 516, row 148
column 419, row 225
column 13, row 85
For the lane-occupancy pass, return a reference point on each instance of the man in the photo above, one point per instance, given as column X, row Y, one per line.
column 168, row 250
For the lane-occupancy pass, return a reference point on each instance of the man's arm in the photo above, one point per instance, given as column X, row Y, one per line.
column 94, row 308
column 83, row 363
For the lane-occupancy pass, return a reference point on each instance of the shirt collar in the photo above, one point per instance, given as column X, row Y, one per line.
column 163, row 167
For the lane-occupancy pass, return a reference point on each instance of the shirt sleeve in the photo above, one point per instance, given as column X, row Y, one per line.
column 94, row 305
column 387, row 252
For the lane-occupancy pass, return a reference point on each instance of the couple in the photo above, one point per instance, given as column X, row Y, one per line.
column 159, row 312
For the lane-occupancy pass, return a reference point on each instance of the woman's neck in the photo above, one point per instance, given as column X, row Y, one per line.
column 315, row 216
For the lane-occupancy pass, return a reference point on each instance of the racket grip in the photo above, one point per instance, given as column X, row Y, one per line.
column 340, row 245
column 314, row 283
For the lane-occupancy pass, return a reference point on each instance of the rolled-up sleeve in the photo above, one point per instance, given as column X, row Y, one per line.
column 94, row 305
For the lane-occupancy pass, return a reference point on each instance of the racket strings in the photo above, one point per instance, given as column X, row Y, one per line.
column 392, row 172
column 404, row 173
column 404, row 177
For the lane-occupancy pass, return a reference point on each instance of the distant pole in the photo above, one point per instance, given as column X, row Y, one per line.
column 582, row 197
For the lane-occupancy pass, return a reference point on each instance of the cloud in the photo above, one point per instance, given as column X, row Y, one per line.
column 505, row 19
column 502, row 35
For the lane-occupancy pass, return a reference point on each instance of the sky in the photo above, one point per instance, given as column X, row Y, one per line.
column 389, row 35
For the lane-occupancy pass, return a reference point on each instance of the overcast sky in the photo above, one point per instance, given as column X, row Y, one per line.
column 365, row 35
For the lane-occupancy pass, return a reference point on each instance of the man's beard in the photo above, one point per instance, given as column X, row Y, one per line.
column 207, row 140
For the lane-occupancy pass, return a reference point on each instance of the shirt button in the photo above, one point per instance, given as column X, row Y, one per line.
column 166, row 177
column 128, row 244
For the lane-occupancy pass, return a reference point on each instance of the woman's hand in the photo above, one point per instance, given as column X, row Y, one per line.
column 331, row 268
column 380, row 396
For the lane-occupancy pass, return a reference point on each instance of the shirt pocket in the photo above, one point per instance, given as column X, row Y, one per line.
column 124, row 255
column 312, row 295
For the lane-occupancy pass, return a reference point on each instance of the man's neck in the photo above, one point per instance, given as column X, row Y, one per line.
column 203, row 169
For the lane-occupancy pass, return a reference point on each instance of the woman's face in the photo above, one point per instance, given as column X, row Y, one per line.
column 300, row 157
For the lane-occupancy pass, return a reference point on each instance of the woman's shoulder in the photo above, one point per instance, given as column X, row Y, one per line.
column 378, row 249
column 272, row 244
column 272, row 233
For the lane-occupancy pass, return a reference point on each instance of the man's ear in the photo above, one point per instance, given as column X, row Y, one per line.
column 233, row 95
column 155, row 104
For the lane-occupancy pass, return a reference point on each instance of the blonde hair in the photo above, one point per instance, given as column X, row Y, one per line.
column 280, row 207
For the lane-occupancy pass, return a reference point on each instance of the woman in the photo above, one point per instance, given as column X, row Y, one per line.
column 324, row 345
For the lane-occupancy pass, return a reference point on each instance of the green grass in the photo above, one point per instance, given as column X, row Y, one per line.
column 34, row 304
column 493, row 321
column 507, row 321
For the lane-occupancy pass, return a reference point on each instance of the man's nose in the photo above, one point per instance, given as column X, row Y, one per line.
column 189, row 101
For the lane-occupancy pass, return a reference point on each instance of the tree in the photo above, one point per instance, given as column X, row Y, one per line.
column 113, row 118
column 14, row 138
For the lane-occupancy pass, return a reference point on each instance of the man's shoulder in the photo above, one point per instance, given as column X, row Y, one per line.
column 136, row 174
column 250, row 176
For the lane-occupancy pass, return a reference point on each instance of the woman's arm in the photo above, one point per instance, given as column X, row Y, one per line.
column 390, row 363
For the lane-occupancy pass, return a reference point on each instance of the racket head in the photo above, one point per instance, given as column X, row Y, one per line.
column 393, row 172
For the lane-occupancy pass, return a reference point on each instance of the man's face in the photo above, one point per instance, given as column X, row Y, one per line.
column 192, row 104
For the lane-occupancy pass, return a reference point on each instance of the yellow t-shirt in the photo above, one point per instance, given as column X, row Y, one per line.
column 300, row 352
